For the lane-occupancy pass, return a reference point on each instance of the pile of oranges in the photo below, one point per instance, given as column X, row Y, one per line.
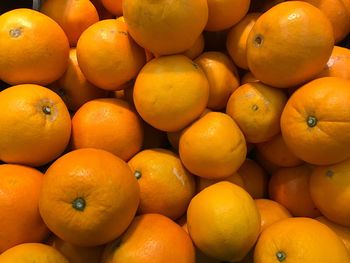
column 178, row 131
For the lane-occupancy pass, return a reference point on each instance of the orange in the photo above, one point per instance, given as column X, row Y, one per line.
column 103, row 13
column 270, row 212
column 35, row 125
column 338, row 64
column 221, row 74
column 338, row 13
column 94, row 202
column 248, row 77
column 171, row 88
column 223, row 221
column 165, row 27
column 226, row 13
column 277, row 152
column 28, row 54
column 330, row 190
column 299, row 240
column 204, row 182
column 213, row 147
column 290, row 187
column 316, row 120
column 236, row 43
column 166, row 187
column 114, row 7
column 255, row 178
column 109, row 124
column 257, row 109
column 196, row 49
column 77, row 254
column 341, row 231
column 151, row 238
column 289, row 44
column 73, row 87
column 32, row 252
column 19, row 194
column 108, row 56
column 74, row 16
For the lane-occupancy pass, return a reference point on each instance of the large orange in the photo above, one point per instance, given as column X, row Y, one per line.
column 19, row 194
column 257, row 109
column 338, row 64
column 225, row 13
column 35, row 125
column 34, row 48
column 213, row 146
column 222, row 76
column 223, row 221
column 74, row 16
column 108, row 56
column 109, row 124
column 170, row 92
column 338, row 13
column 88, row 197
column 236, row 43
column 166, row 187
column 32, row 252
column 270, row 212
column 73, row 87
column 299, row 240
column 290, row 187
column 151, row 238
column 330, row 190
column 289, row 44
column 165, row 27
column 316, row 120
column 277, row 152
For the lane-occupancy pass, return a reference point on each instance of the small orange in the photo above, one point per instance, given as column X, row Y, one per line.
column 196, row 49
column 270, row 212
column 213, row 147
column 299, row 240
column 289, row 44
column 19, row 195
column 330, row 190
column 74, row 16
column 34, row 48
column 32, row 252
column 94, row 202
column 73, row 87
column 257, row 109
column 236, row 43
column 290, row 187
column 338, row 64
column 221, row 74
column 223, row 221
column 108, row 56
column 171, row 88
column 35, row 125
column 151, row 238
column 226, row 13
column 114, row 7
column 277, row 152
column 166, row 187
column 255, row 178
column 165, row 27
column 204, row 182
column 109, row 124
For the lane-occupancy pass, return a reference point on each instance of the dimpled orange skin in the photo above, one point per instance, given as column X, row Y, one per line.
column 170, row 92
column 35, row 125
column 165, row 27
column 213, row 147
column 289, row 44
column 34, row 48
column 316, row 120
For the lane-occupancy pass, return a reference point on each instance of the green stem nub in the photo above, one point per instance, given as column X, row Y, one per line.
column 281, row 256
column 311, row 121
column 79, row 204
column 46, row 110
column 137, row 175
